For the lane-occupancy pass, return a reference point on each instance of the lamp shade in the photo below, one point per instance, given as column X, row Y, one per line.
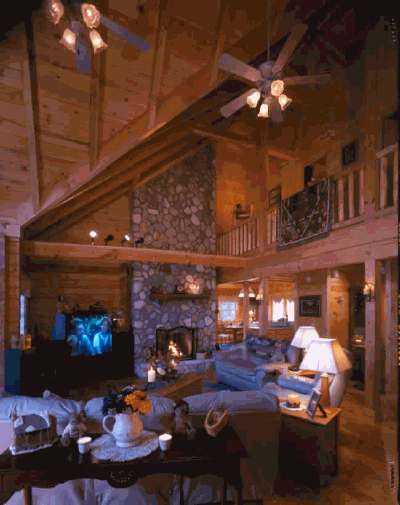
column 304, row 336
column 326, row 355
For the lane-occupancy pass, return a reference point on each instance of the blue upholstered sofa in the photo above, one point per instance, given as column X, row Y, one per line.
column 250, row 364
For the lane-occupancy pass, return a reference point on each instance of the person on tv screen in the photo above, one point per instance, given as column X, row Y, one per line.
column 102, row 339
column 80, row 342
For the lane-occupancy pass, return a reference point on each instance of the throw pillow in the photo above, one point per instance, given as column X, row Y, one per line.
column 299, row 384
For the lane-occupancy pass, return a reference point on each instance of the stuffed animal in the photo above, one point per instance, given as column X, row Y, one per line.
column 180, row 422
column 74, row 429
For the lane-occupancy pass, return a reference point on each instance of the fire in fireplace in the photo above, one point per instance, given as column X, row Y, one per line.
column 180, row 341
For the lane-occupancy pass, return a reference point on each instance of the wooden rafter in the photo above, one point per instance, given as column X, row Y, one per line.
column 160, row 53
column 110, row 254
column 98, row 73
column 31, row 99
column 224, row 136
column 218, row 46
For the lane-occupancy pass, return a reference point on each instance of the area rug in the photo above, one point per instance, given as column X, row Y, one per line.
column 218, row 387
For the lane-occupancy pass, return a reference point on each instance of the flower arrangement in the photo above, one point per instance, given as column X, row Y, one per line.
column 129, row 400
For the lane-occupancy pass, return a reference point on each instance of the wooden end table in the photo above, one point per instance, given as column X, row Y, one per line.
column 310, row 444
column 218, row 456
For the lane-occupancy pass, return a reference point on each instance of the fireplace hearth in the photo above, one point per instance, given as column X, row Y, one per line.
column 180, row 341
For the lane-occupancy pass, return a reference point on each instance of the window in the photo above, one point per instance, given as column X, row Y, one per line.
column 227, row 311
column 283, row 308
column 22, row 318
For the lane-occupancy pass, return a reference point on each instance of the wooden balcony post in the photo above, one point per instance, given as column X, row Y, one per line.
column 383, row 182
column 245, row 309
column 263, row 320
column 361, row 193
column 395, row 176
column 269, row 228
column 341, row 199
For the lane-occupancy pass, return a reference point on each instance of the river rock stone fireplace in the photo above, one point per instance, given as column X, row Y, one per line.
column 175, row 211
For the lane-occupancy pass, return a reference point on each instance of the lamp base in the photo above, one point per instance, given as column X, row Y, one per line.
column 325, row 400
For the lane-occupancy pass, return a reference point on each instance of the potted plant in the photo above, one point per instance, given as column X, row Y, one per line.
column 201, row 354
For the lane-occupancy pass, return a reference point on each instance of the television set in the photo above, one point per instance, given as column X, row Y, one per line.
column 90, row 335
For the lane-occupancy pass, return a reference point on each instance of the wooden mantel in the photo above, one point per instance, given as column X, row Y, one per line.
column 99, row 254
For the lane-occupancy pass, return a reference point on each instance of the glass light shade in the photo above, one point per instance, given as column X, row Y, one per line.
column 241, row 294
column 90, row 15
column 92, row 234
column 127, row 238
column 69, row 40
column 55, row 11
column 284, row 101
column 252, row 100
column 97, row 41
column 264, row 111
column 304, row 336
column 277, row 88
column 251, row 293
column 325, row 355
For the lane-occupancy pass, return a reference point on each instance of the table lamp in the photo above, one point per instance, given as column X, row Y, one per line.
column 325, row 355
column 302, row 339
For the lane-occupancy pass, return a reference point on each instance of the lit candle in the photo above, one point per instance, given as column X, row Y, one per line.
column 165, row 441
column 293, row 401
column 84, row 444
column 151, row 375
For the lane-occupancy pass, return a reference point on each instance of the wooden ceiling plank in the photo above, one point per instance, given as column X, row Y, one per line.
column 111, row 254
column 224, row 136
column 218, row 46
column 160, row 58
column 31, row 98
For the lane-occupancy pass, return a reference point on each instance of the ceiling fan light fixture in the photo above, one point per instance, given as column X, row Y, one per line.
column 55, row 11
column 277, row 88
column 91, row 15
column 253, row 99
column 97, row 42
column 69, row 40
column 284, row 101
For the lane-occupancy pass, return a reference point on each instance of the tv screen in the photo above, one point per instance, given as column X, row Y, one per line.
column 90, row 335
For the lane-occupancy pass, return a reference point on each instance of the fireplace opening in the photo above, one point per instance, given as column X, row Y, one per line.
column 181, row 342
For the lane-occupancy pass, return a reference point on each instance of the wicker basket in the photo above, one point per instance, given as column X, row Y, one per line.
column 216, row 419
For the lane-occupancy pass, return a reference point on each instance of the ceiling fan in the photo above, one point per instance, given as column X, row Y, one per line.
column 84, row 18
column 267, row 95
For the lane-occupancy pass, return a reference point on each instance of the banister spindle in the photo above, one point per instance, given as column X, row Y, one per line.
column 351, row 195
column 383, row 182
column 341, row 199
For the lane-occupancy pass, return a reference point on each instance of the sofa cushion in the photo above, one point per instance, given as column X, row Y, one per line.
column 241, row 366
column 156, row 419
column 61, row 408
column 237, row 351
column 303, row 385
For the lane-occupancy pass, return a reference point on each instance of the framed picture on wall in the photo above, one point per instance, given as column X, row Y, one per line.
column 310, row 306
column 274, row 196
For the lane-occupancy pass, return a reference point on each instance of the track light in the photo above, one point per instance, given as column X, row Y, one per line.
column 97, row 42
column 92, row 235
column 108, row 239
column 126, row 238
column 90, row 15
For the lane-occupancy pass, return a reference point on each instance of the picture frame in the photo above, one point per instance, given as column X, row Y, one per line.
column 313, row 402
column 350, row 153
column 274, row 196
column 310, row 306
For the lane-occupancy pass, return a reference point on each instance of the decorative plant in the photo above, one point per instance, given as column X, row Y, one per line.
column 129, row 400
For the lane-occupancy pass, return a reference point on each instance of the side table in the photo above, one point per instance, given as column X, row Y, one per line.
column 309, row 446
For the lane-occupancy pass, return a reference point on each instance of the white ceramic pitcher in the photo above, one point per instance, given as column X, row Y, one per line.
column 127, row 429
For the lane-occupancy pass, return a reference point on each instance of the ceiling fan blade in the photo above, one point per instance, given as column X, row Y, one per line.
column 83, row 56
column 319, row 80
column 289, row 48
column 124, row 33
column 239, row 68
column 230, row 108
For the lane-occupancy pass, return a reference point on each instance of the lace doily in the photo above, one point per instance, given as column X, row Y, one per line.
column 104, row 448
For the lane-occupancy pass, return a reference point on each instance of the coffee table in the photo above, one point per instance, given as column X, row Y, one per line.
column 218, row 456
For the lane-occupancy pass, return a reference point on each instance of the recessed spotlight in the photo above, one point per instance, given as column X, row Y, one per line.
column 93, row 234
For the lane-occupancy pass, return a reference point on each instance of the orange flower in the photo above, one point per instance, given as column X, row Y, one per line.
column 138, row 404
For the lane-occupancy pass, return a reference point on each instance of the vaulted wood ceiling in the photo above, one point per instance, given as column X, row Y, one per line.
column 69, row 138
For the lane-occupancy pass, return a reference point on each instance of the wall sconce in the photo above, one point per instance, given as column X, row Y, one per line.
column 92, row 235
column 126, row 238
column 369, row 291
column 108, row 239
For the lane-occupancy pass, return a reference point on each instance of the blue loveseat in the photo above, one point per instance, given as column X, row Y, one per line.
column 250, row 364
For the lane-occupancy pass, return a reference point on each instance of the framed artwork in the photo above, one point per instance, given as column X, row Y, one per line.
column 274, row 196
column 350, row 153
column 310, row 306
column 313, row 402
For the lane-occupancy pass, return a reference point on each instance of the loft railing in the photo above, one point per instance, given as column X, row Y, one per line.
column 349, row 196
column 388, row 176
column 271, row 227
column 241, row 239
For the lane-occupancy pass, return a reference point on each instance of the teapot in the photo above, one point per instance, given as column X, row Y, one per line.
column 127, row 428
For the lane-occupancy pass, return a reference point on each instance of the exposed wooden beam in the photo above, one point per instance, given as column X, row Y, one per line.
column 109, row 254
column 31, row 99
column 218, row 46
column 213, row 133
column 280, row 152
column 160, row 52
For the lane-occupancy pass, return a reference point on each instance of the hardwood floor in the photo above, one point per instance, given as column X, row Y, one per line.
column 366, row 450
